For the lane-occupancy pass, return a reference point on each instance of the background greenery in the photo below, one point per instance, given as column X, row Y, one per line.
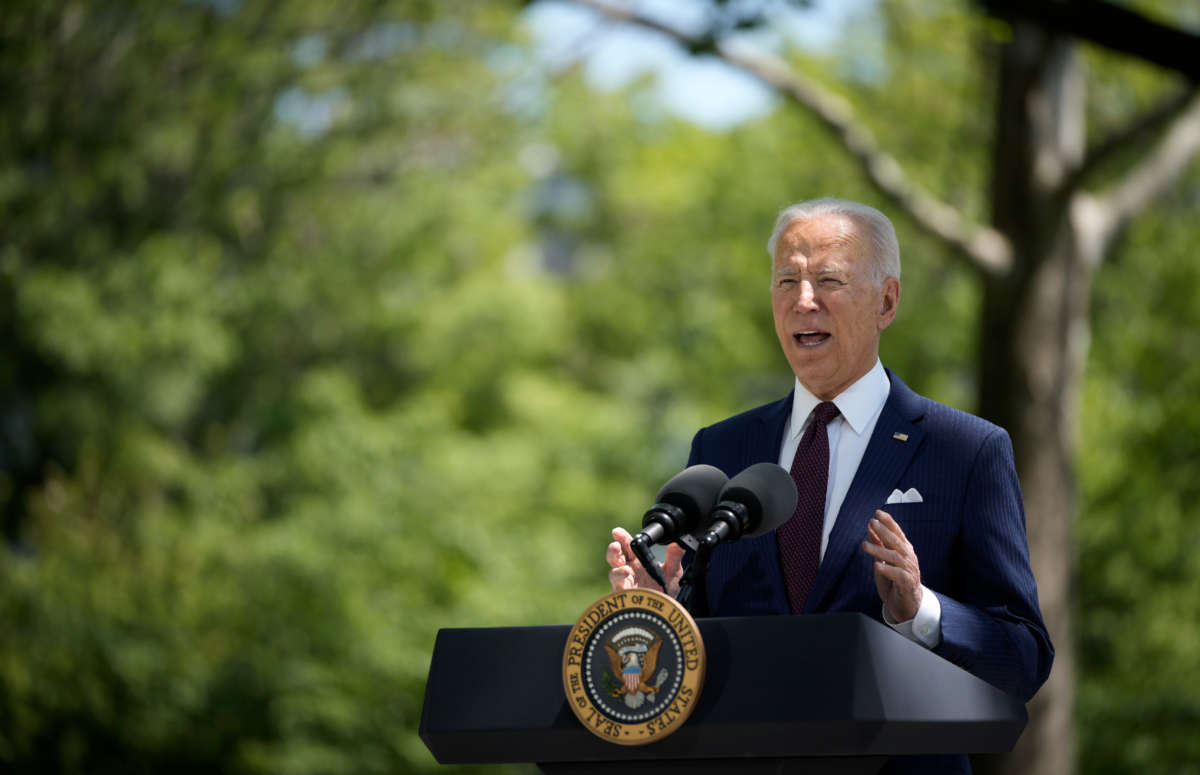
column 324, row 329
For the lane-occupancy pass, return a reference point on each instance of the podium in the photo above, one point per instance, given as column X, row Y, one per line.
column 827, row 693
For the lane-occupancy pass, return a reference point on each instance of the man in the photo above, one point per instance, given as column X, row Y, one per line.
column 910, row 512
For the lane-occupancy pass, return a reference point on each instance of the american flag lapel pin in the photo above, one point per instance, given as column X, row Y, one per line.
column 898, row 436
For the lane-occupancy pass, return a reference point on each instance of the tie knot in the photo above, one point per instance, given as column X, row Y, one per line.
column 825, row 412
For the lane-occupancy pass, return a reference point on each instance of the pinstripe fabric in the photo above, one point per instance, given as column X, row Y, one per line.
column 969, row 534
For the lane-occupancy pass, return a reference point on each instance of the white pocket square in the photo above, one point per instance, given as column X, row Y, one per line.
column 912, row 496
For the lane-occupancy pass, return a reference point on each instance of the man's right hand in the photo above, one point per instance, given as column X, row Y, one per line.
column 627, row 571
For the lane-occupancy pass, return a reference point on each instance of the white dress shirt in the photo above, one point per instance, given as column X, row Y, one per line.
column 849, row 433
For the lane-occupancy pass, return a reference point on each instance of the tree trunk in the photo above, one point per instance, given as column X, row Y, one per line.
column 1033, row 350
column 1036, row 266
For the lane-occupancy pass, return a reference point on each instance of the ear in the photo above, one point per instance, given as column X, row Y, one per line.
column 889, row 302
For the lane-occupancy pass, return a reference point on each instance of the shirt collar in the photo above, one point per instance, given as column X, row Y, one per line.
column 857, row 403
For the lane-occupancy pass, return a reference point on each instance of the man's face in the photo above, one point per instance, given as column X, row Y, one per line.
column 828, row 312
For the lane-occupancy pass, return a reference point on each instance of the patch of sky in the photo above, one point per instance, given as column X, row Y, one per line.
column 222, row 7
column 700, row 89
column 522, row 80
column 310, row 114
column 446, row 32
column 384, row 39
column 563, row 197
column 310, row 50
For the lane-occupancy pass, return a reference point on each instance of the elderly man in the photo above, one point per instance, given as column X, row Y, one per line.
column 910, row 512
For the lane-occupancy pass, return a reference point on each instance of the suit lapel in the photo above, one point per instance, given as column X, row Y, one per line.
column 762, row 446
column 763, row 442
column 885, row 460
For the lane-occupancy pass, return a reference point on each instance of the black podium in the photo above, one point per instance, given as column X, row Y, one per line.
column 832, row 693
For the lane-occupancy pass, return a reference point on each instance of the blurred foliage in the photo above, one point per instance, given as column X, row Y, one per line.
column 327, row 328
column 1138, row 540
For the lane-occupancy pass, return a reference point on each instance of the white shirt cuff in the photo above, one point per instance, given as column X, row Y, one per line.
column 924, row 628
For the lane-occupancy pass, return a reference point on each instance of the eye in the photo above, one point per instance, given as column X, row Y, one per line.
column 786, row 282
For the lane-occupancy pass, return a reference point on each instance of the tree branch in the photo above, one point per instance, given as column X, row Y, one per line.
column 1110, row 25
column 1161, row 167
column 1136, row 130
column 987, row 249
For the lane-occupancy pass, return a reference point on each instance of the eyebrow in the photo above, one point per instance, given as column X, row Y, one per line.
column 788, row 270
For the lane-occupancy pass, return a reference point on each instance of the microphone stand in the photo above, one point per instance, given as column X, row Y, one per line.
column 700, row 561
column 730, row 520
column 641, row 548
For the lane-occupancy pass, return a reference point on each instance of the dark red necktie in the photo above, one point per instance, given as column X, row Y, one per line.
column 800, row 537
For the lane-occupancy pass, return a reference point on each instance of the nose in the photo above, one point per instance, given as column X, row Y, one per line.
column 806, row 298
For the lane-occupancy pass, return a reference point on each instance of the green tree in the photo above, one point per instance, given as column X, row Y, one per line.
column 327, row 329
column 1055, row 195
column 1139, row 606
column 233, row 237
column 285, row 418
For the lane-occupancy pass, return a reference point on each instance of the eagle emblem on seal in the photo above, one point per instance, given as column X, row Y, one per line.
column 633, row 655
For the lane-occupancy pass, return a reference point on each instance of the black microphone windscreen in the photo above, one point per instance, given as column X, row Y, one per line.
column 694, row 490
column 768, row 493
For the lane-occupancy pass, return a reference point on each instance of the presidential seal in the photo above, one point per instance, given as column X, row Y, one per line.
column 633, row 667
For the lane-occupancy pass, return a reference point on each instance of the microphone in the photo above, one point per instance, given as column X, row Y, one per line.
column 754, row 502
column 679, row 506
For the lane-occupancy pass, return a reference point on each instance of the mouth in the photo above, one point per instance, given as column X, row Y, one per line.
column 810, row 338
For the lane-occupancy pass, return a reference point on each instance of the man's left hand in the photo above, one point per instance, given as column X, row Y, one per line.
column 897, row 572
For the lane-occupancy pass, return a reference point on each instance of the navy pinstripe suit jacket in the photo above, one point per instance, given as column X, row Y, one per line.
column 968, row 533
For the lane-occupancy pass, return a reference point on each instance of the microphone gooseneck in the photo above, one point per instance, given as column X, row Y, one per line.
column 756, row 501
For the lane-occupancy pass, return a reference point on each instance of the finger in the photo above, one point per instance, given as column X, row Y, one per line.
column 621, row 578
column 902, row 571
column 883, row 554
column 615, row 556
column 900, row 577
column 625, row 541
column 899, row 591
column 887, row 537
column 622, row 536
column 891, row 524
column 673, row 562
column 876, row 550
column 885, row 533
column 903, row 557
column 883, row 584
column 895, row 540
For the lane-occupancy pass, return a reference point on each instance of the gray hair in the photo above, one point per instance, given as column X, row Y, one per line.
column 875, row 227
